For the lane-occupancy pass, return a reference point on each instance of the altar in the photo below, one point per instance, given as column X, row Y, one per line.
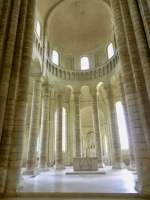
column 85, row 164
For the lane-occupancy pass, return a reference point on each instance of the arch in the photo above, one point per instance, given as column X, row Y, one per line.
column 100, row 88
column 110, row 50
column 113, row 81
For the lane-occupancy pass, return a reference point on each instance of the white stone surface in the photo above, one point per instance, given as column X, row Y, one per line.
column 85, row 164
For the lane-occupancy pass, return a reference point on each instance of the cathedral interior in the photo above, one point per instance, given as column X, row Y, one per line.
column 74, row 84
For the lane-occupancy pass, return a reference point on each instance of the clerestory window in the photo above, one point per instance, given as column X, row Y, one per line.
column 110, row 50
column 84, row 63
column 55, row 57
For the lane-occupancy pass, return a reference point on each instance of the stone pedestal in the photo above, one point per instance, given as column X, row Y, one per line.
column 85, row 164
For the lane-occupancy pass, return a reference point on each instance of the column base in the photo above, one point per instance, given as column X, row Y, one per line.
column 131, row 168
column 42, row 169
column 58, row 166
column 144, row 191
column 101, row 165
column 30, row 172
column 9, row 193
column 119, row 166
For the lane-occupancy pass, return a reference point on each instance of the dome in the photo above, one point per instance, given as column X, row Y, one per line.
column 76, row 27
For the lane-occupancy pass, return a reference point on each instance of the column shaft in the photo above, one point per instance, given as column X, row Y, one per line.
column 97, row 130
column 58, row 152
column 131, row 166
column 118, row 161
column 137, row 70
column 8, row 60
column 51, row 139
column 34, row 129
column 137, row 131
column 77, row 125
column 43, row 156
column 15, row 155
column 141, row 41
column 71, row 131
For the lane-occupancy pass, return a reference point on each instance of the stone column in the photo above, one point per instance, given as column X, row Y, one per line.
column 118, row 160
column 13, row 175
column 67, row 131
column 140, row 84
column 132, row 166
column 7, row 58
column 34, row 128
column 141, row 152
column 141, row 41
column 71, row 131
column 51, row 139
column 109, row 135
column 58, row 152
column 43, row 155
column 96, row 129
column 77, row 125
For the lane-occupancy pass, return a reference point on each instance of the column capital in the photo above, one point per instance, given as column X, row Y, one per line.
column 47, row 86
column 59, row 92
column 77, row 94
column 94, row 92
column 38, row 78
column 110, row 87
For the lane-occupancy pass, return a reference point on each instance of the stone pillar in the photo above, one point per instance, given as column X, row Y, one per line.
column 13, row 175
column 34, row 128
column 118, row 160
column 58, row 152
column 77, row 125
column 141, row 41
column 71, row 132
column 7, row 58
column 140, row 84
column 96, row 128
column 43, row 155
column 51, row 139
column 109, row 135
column 141, row 152
column 67, row 131
column 132, row 166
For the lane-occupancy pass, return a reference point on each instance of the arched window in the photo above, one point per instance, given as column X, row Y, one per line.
column 122, row 126
column 55, row 57
column 84, row 63
column 38, row 28
column 110, row 50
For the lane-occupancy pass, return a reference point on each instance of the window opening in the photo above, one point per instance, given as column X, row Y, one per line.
column 55, row 57
column 38, row 29
column 122, row 126
column 84, row 63
column 110, row 51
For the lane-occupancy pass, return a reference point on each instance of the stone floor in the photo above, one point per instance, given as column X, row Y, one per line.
column 114, row 184
column 56, row 185
column 113, row 181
